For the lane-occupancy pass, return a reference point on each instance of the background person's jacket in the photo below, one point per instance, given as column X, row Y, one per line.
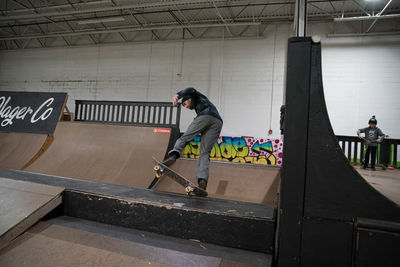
column 372, row 135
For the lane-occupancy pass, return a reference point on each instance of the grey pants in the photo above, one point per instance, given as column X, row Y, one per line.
column 210, row 128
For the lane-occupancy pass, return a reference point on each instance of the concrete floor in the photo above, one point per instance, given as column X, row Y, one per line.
column 68, row 241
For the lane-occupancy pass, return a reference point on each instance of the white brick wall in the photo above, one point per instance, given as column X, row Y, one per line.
column 360, row 77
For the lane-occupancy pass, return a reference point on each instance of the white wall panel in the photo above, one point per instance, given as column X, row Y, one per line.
column 360, row 74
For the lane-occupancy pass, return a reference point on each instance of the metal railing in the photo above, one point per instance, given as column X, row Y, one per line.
column 354, row 149
column 128, row 112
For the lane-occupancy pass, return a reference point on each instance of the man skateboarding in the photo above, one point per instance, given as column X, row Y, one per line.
column 373, row 136
column 208, row 123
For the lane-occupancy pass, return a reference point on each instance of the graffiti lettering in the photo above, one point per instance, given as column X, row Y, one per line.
column 240, row 150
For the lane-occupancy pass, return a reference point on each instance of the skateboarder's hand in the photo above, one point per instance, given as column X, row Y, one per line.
column 175, row 100
column 378, row 140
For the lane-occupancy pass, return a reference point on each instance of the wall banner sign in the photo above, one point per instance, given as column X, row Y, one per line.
column 30, row 112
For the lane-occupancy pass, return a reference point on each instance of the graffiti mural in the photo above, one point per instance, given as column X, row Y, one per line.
column 240, row 150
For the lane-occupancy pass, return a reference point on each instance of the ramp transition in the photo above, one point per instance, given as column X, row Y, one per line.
column 250, row 183
column 19, row 149
column 118, row 154
column 328, row 214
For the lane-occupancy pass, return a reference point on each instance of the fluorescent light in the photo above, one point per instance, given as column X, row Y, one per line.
column 91, row 21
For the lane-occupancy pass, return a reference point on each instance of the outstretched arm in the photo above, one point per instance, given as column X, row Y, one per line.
column 360, row 131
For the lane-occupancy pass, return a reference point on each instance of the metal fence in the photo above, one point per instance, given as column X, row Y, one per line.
column 354, row 149
column 128, row 112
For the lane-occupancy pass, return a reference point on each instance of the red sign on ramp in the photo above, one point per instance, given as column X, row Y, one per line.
column 162, row 130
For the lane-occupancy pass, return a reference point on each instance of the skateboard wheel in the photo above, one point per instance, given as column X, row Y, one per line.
column 156, row 168
column 189, row 189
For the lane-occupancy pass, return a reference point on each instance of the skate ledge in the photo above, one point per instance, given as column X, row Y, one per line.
column 223, row 222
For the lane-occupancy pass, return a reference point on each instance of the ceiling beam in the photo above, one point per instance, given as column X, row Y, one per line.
column 152, row 5
column 130, row 29
column 45, row 8
column 110, row 8
column 218, row 13
column 376, row 17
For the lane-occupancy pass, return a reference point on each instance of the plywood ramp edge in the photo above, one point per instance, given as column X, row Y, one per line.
column 30, row 219
column 47, row 142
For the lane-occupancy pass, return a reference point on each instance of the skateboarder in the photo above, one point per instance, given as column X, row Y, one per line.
column 373, row 136
column 208, row 123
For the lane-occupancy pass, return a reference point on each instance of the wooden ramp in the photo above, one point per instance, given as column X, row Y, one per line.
column 329, row 215
column 250, row 183
column 386, row 182
column 18, row 149
column 117, row 154
column 22, row 204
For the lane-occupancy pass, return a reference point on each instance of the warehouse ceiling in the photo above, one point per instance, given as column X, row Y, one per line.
column 54, row 23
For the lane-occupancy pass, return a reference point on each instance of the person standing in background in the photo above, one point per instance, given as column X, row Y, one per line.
column 373, row 136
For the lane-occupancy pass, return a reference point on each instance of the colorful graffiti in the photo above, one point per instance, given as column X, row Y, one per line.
column 240, row 150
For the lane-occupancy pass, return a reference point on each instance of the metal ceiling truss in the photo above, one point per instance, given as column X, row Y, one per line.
column 48, row 23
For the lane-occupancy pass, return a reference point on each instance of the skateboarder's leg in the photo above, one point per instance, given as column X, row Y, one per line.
column 196, row 127
column 208, row 139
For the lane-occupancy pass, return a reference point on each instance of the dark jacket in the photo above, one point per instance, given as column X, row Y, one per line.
column 372, row 135
column 200, row 102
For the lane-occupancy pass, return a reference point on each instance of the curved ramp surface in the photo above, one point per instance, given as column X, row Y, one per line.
column 17, row 149
column 249, row 183
column 325, row 205
column 116, row 154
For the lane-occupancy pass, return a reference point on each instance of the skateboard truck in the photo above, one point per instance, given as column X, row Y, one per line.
column 160, row 172
column 189, row 189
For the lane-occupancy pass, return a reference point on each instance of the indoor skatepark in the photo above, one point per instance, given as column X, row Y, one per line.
column 83, row 192
column 121, row 154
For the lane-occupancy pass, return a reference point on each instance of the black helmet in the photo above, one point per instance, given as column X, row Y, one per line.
column 373, row 120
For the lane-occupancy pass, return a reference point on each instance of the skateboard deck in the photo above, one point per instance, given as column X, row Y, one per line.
column 190, row 188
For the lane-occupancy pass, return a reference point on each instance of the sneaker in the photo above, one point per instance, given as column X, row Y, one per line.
column 373, row 168
column 364, row 167
column 202, row 184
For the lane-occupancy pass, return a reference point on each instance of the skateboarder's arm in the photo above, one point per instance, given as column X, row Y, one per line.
column 185, row 93
column 175, row 100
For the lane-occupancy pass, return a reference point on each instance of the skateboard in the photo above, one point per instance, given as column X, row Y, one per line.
column 190, row 188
